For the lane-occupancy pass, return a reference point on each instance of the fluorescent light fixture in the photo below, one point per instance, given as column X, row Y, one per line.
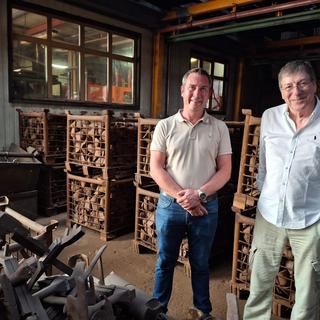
column 60, row 66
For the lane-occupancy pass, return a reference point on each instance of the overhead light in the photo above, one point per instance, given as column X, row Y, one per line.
column 60, row 66
column 17, row 70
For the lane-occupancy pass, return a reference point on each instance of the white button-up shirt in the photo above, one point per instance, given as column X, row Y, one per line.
column 289, row 169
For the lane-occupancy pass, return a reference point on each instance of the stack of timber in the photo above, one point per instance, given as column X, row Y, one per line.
column 244, row 205
column 44, row 135
column 101, row 160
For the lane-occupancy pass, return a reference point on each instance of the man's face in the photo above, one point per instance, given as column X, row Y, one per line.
column 195, row 92
column 298, row 91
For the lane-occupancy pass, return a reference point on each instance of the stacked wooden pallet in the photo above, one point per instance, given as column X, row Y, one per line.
column 101, row 160
column 244, row 206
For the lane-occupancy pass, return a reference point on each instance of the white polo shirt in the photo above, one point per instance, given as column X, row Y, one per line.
column 289, row 169
column 191, row 150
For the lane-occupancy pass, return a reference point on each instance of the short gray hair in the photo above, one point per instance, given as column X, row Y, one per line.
column 199, row 71
column 295, row 66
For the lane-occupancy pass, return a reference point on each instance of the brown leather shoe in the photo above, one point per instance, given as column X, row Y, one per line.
column 195, row 314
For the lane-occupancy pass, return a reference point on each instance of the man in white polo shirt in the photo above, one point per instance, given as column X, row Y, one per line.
column 190, row 161
column 289, row 204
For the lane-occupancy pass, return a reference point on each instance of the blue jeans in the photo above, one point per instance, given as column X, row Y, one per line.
column 173, row 223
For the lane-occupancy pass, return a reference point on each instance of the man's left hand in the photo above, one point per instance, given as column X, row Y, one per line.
column 188, row 199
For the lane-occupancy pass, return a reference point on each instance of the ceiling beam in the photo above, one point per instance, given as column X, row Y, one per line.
column 206, row 7
column 292, row 42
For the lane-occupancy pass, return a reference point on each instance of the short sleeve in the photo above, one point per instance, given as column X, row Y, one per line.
column 225, row 143
column 158, row 142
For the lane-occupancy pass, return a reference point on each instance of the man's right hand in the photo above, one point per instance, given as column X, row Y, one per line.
column 200, row 210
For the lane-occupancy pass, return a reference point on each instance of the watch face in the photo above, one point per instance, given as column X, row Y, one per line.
column 202, row 196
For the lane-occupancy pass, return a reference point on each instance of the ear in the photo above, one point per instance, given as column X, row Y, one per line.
column 181, row 90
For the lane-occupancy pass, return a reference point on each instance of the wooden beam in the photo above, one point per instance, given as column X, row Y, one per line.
column 157, row 81
column 206, row 7
column 237, row 102
column 292, row 42
column 232, row 307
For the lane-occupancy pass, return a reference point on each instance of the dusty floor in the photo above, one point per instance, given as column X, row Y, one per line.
column 137, row 269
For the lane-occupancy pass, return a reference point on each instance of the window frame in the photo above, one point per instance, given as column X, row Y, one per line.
column 82, row 22
column 213, row 59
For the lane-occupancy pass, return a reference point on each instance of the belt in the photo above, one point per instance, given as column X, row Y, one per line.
column 209, row 198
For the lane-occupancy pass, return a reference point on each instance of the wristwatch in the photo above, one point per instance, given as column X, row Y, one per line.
column 202, row 196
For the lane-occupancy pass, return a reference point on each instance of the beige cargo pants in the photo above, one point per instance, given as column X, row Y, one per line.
column 265, row 257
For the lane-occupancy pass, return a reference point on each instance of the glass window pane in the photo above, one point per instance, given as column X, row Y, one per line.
column 96, row 39
column 29, row 23
column 66, row 32
column 218, row 69
column 122, row 46
column 29, row 76
column 65, row 74
column 96, row 78
column 207, row 66
column 122, row 82
column 217, row 95
column 194, row 63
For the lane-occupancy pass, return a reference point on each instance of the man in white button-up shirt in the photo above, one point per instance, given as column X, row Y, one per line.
column 289, row 204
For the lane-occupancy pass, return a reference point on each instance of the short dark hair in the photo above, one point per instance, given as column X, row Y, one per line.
column 297, row 66
column 199, row 71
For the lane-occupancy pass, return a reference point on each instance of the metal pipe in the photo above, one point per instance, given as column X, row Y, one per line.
column 206, row 7
column 239, row 15
column 257, row 24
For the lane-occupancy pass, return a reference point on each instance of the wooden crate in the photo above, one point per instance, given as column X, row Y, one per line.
column 106, row 206
column 145, row 131
column 52, row 190
column 145, row 226
column 46, row 133
column 236, row 135
column 247, row 193
column 104, row 143
column 283, row 291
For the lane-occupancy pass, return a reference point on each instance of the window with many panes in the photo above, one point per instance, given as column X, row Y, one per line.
column 55, row 58
column 217, row 71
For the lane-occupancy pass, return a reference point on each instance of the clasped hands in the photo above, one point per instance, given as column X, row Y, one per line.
column 189, row 200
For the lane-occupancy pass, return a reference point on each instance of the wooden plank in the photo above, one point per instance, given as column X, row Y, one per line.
column 232, row 307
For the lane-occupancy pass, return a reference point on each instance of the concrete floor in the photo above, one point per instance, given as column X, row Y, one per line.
column 121, row 257
column 138, row 269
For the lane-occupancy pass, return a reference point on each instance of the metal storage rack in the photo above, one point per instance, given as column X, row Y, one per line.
column 247, row 193
column 102, row 143
column 145, row 131
column 46, row 133
column 52, row 190
column 94, row 203
column 101, row 160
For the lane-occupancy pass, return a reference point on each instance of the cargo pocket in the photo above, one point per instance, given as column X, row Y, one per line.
column 252, row 253
column 316, row 266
